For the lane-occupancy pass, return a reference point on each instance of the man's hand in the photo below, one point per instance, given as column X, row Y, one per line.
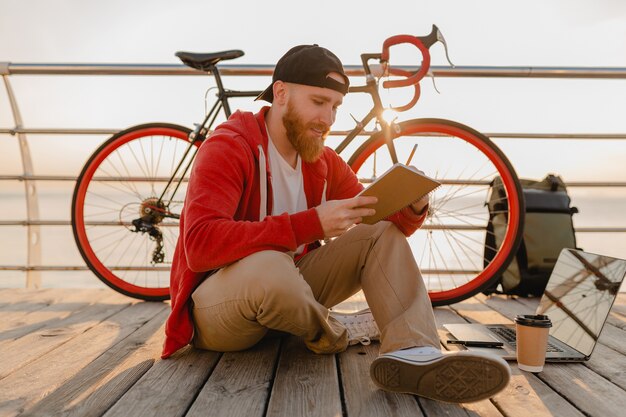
column 337, row 216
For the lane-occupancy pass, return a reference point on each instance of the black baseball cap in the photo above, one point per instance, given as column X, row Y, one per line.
column 308, row 65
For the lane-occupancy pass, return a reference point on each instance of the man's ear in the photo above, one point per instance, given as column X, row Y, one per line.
column 280, row 93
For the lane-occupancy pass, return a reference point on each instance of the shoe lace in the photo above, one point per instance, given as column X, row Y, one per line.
column 361, row 327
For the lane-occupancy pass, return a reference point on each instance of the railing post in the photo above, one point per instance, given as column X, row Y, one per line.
column 33, row 278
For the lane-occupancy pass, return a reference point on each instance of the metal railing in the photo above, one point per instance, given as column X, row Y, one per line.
column 33, row 222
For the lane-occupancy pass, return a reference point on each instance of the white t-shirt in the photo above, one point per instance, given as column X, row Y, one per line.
column 287, row 185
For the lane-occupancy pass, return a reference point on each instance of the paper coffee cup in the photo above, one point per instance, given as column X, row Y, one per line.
column 532, row 341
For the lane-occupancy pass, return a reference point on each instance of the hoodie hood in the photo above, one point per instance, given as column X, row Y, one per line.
column 251, row 128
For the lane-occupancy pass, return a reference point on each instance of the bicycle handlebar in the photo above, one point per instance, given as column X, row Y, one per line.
column 416, row 94
column 419, row 74
column 423, row 43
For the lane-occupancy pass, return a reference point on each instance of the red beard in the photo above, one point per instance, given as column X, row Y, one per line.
column 308, row 146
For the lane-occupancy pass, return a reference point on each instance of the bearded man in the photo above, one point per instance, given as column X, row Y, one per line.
column 263, row 193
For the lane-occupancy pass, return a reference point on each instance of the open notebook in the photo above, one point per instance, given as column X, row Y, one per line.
column 398, row 187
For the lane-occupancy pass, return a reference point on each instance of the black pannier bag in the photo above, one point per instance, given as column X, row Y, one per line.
column 548, row 228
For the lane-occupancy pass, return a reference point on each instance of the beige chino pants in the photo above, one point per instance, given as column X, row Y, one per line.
column 234, row 308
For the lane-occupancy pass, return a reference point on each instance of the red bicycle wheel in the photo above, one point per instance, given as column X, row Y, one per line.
column 124, row 231
column 450, row 246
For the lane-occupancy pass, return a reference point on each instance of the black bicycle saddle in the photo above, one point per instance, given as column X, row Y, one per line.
column 204, row 62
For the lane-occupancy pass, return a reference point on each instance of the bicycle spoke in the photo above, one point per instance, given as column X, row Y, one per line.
column 451, row 196
column 174, row 159
column 423, row 252
column 107, row 234
column 443, row 260
column 116, row 203
column 158, row 163
column 116, row 245
column 149, row 174
column 145, row 159
column 104, row 245
column 465, row 222
column 125, row 252
column 477, row 215
column 152, row 171
column 171, row 239
column 121, row 190
column 448, row 234
column 464, row 196
column 458, row 244
column 467, row 238
column 139, row 249
column 128, row 174
column 132, row 152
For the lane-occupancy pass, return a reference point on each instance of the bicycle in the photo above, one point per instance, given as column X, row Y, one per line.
column 125, row 221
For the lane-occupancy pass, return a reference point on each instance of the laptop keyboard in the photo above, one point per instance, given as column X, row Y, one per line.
column 508, row 335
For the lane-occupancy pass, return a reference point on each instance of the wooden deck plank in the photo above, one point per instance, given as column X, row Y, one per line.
column 96, row 387
column 479, row 409
column 362, row 397
column 617, row 320
column 169, row 387
column 608, row 363
column 15, row 314
column 585, row 396
column 240, row 383
column 436, row 408
column 12, row 296
column 28, row 385
column 613, row 337
column 43, row 337
column 58, row 306
column 482, row 409
column 620, row 303
column 305, row 384
column 526, row 394
column 587, row 390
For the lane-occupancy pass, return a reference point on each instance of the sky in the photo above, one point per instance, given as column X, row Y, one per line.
column 562, row 33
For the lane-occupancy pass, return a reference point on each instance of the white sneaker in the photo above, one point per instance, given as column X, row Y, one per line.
column 455, row 377
column 360, row 325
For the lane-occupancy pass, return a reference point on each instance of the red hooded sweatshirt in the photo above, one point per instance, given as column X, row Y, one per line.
column 225, row 219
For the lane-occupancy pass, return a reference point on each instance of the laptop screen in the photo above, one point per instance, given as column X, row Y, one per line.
column 579, row 296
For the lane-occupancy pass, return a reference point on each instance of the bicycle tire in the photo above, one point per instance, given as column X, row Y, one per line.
column 449, row 143
column 115, row 186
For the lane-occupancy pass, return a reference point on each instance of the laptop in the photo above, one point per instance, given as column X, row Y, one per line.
column 577, row 298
